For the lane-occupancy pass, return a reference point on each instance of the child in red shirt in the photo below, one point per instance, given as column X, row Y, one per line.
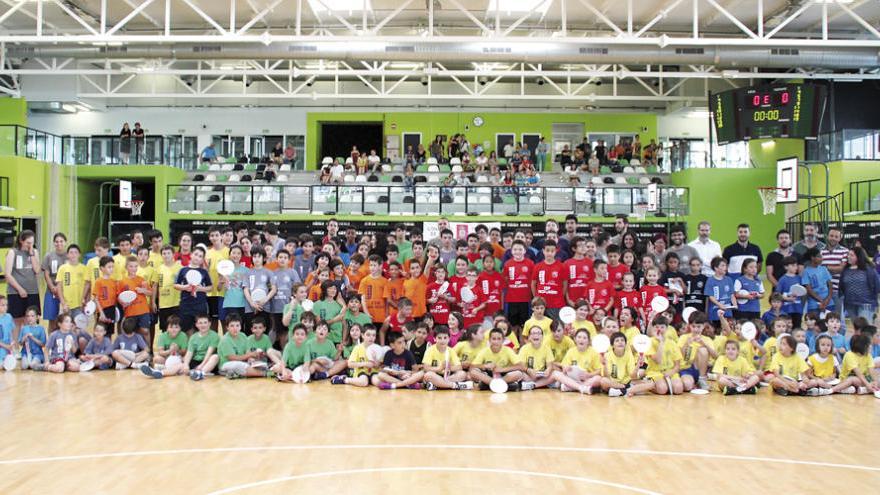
column 616, row 269
column 472, row 311
column 600, row 292
column 578, row 272
column 492, row 285
column 547, row 281
column 439, row 302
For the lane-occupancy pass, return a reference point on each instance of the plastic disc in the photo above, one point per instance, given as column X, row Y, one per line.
column 641, row 343
column 659, row 304
column 699, row 391
column 443, row 288
column 797, row 290
column 81, row 321
column 498, row 386
column 467, row 295
column 225, row 268
column 686, row 314
column 803, row 350
column 258, row 294
column 193, row 277
column 567, row 315
column 90, row 308
column 127, row 297
column 300, row 375
column 9, row 362
column 601, row 343
column 749, row 330
column 307, row 304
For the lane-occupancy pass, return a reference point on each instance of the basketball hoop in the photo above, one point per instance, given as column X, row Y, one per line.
column 136, row 207
column 640, row 210
column 769, row 195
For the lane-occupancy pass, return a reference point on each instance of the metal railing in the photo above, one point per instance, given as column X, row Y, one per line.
column 845, row 144
column 253, row 198
column 864, row 195
column 826, row 212
column 16, row 140
column 4, row 191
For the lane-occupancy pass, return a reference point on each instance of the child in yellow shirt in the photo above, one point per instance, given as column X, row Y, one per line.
column 537, row 359
column 857, row 368
column 581, row 366
column 735, row 375
column 664, row 360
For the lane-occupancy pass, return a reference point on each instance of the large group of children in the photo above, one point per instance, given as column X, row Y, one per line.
column 395, row 311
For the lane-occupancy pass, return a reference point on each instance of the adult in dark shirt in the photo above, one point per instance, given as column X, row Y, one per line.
column 601, row 152
column 124, row 144
column 775, row 266
column 741, row 250
column 139, row 136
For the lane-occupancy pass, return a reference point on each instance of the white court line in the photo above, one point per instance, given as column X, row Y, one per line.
column 327, row 474
column 593, row 450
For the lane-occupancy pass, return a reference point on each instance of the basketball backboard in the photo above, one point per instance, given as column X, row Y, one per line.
column 787, row 180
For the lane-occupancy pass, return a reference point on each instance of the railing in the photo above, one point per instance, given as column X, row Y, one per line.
column 825, row 212
column 864, row 196
column 4, row 191
column 845, row 144
column 244, row 198
column 16, row 140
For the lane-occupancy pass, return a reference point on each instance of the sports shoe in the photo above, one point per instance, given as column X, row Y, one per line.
column 120, row 366
column 731, row 390
column 197, row 375
column 527, row 385
column 319, row 376
column 484, row 386
column 151, row 372
column 825, row 391
column 37, row 366
column 564, row 388
column 751, row 391
column 338, row 380
column 703, row 383
column 813, row 392
column 740, row 389
column 414, row 386
column 863, row 390
column 430, row 386
column 781, row 391
column 514, row 387
column 466, row 385
column 86, row 366
column 848, row 390
column 386, row 386
column 233, row 374
column 615, row 392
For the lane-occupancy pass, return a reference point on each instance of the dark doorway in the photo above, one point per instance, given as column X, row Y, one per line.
column 338, row 138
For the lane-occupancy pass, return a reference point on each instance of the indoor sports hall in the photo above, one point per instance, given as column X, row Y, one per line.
column 437, row 246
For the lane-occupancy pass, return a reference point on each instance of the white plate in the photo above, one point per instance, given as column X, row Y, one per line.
column 194, row 277
column 498, row 386
column 127, row 297
column 601, row 343
column 749, row 330
column 258, row 295
column 9, row 362
column 567, row 315
column 443, row 288
column 90, row 308
column 699, row 391
column 659, row 304
column 225, row 268
column 797, row 290
column 81, row 321
column 307, row 304
column 686, row 314
column 467, row 295
column 641, row 343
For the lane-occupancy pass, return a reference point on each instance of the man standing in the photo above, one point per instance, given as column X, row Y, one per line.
column 621, row 225
column 684, row 252
column 810, row 241
column 775, row 266
column 834, row 259
column 571, row 227
column 740, row 251
column 706, row 248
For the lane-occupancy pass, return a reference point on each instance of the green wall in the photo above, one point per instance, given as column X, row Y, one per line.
column 840, row 175
column 449, row 123
column 13, row 111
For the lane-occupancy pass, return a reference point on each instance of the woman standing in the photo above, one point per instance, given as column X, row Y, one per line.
column 437, row 149
column 541, row 153
column 22, row 268
column 859, row 286
column 184, row 249
column 124, row 144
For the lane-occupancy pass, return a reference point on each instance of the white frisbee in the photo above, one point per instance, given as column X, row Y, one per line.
column 300, row 375
column 802, row 350
column 86, row 366
column 127, row 297
column 225, row 268
column 797, row 290
column 567, row 315
column 659, row 304
column 467, row 295
column 259, row 294
column 686, row 314
column 307, row 304
column 498, row 386
column 601, row 343
column 89, row 308
column 376, row 352
column 641, row 343
column 749, row 330
column 173, row 361
column 699, row 391
column 742, row 293
column 193, row 277
column 443, row 288
column 81, row 321
column 9, row 362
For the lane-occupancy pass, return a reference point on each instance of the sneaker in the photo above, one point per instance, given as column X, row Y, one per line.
column 863, row 390
column 740, row 389
column 430, row 386
column 615, row 392
column 414, row 386
column 484, row 386
column 514, row 387
column 270, row 374
column 780, row 391
column 703, row 383
column 150, row 371
column 712, row 377
column 813, row 392
column 338, row 380
column 120, row 366
column 233, row 374
column 386, row 386
column 848, row 390
column 466, row 385
column 319, row 376
column 564, row 388
column 751, row 391
column 527, row 385
column 37, row 366
column 86, row 366
column 731, row 390
column 197, row 375
column 825, row 391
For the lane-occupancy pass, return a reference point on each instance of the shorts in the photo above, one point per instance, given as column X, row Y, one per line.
column 164, row 313
column 193, row 364
column 238, row 366
column 111, row 313
column 518, row 313
column 691, row 372
column 214, row 305
column 187, row 322
column 143, row 321
column 51, row 306
column 18, row 305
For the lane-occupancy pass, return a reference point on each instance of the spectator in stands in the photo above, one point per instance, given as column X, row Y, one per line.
column 374, row 162
column 452, row 147
column 324, row 175
column 209, row 154
column 277, row 154
column 408, row 177
column 481, row 163
column 636, row 148
column 437, row 149
column 601, row 152
column 525, row 152
column 620, row 149
column 409, row 157
column 508, row 150
column 139, row 137
column 585, row 147
column 565, row 157
column 463, row 145
column 612, row 156
column 593, row 164
column 290, row 154
column 493, row 163
column 650, row 154
column 271, row 171
column 124, row 144
column 515, row 162
column 541, row 154
column 420, row 154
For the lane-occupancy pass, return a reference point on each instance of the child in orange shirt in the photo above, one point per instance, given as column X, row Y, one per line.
column 138, row 310
column 372, row 291
column 104, row 292
column 321, row 275
column 354, row 272
column 414, row 288
column 394, row 287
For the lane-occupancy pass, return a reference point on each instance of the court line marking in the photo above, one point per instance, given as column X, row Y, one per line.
column 593, row 450
column 327, row 474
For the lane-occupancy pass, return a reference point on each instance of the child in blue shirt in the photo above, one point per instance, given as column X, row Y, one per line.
column 817, row 280
column 749, row 291
column 718, row 291
column 832, row 329
column 32, row 339
column 6, row 326
column 775, row 310
column 811, row 327
column 792, row 306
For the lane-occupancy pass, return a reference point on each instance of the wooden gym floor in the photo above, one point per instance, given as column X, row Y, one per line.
column 120, row 432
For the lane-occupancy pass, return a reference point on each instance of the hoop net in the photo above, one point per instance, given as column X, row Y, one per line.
column 136, row 207
column 640, row 210
column 768, row 198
